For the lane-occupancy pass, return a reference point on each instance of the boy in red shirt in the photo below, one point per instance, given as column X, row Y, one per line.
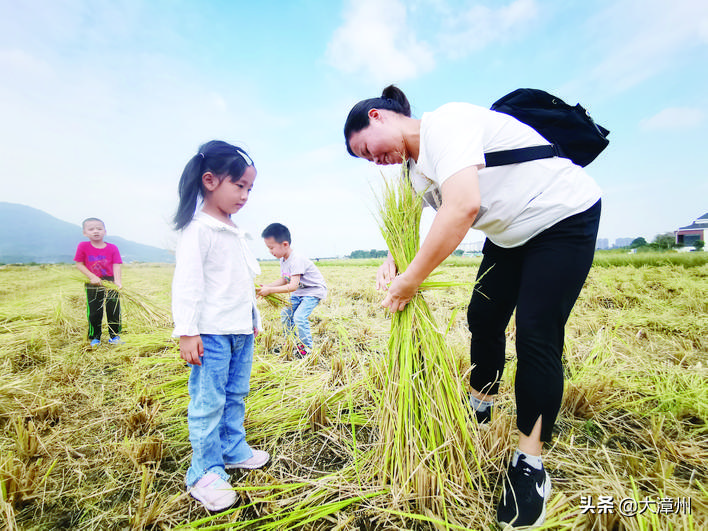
column 99, row 260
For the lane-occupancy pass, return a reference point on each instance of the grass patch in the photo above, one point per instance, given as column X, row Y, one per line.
column 650, row 258
column 97, row 439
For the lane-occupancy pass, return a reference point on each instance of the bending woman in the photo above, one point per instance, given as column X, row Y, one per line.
column 540, row 219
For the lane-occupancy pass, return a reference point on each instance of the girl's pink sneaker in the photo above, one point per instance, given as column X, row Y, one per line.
column 257, row 460
column 215, row 493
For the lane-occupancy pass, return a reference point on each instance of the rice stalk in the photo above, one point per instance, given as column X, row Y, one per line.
column 641, row 396
column 138, row 306
column 425, row 439
column 146, row 311
column 275, row 300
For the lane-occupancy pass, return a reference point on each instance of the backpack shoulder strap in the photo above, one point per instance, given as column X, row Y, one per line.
column 515, row 156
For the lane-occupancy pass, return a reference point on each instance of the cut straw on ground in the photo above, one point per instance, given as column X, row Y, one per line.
column 109, row 433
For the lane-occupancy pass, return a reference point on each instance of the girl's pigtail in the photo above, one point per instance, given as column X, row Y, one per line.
column 190, row 187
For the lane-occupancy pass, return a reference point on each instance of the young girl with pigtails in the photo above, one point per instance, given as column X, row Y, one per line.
column 215, row 316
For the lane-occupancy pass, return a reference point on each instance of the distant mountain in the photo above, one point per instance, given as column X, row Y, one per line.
column 31, row 235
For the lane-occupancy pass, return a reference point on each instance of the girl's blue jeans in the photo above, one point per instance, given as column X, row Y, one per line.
column 298, row 316
column 216, row 412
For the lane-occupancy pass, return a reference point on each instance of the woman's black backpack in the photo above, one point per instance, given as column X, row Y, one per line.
column 570, row 130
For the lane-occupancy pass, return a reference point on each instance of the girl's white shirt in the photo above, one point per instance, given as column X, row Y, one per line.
column 518, row 201
column 213, row 289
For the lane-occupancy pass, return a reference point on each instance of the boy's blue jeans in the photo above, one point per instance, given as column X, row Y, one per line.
column 298, row 315
column 216, row 412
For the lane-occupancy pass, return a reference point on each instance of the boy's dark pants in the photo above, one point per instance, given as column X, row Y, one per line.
column 96, row 298
column 542, row 280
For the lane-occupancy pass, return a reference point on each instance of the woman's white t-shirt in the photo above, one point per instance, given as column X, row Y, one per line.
column 518, row 201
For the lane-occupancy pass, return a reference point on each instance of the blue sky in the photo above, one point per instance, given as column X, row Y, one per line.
column 103, row 102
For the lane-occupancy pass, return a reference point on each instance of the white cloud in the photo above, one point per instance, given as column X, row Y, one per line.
column 479, row 26
column 639, row 39
column 377, row 40
column 19, row 62
column 673, row 118
column 106, row 128
column 380, row 38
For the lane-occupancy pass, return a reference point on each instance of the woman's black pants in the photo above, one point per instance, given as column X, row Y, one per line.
column 542, row 280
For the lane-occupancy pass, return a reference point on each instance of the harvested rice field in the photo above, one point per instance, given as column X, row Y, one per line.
column 97, row 438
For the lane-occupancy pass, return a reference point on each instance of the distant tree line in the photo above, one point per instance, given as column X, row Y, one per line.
column 661, row 242
column 373, row 253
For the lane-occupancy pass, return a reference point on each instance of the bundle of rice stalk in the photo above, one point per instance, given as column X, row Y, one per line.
column 276, row 300
column 139, row 307
column 425, row 441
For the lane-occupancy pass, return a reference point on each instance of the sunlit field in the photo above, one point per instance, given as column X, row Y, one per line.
column 97, row 438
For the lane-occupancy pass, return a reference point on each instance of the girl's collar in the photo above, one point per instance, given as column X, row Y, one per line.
column 215, row 224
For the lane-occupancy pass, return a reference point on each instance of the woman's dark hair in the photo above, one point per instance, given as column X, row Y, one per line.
column 221, row 159
column 392, row 99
